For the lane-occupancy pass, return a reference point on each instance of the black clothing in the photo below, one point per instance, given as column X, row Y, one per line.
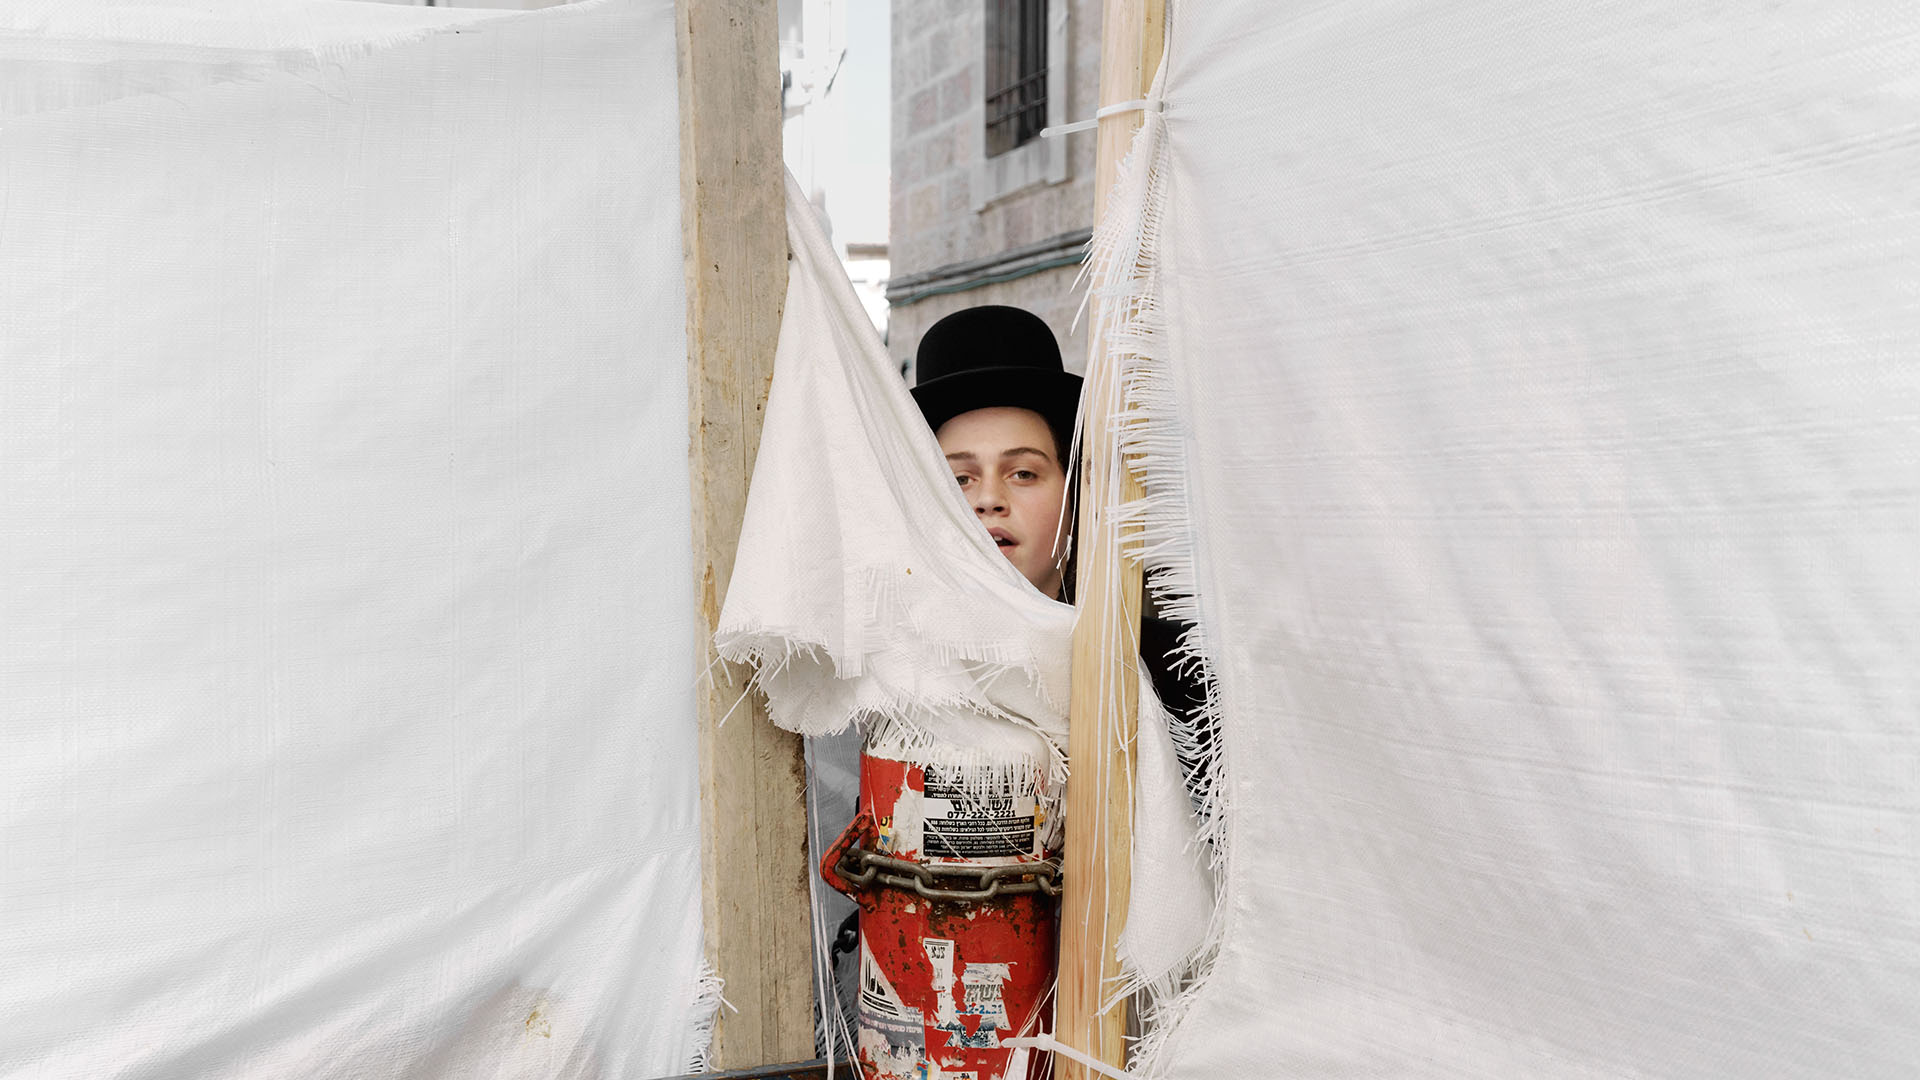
column 1184, row 694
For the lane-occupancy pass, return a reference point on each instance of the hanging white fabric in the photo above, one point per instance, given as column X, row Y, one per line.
column 865, row 591
column 346, row 615
column 1533, row 430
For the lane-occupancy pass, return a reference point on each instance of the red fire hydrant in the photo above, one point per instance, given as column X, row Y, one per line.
column 957, row 918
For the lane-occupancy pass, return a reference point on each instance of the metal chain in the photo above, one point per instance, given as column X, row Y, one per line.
column 863, row 869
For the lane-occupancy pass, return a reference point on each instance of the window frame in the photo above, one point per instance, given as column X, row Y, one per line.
column 1037, row 160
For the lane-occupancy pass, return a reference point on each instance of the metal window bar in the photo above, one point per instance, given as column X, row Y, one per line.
column 1017, row 72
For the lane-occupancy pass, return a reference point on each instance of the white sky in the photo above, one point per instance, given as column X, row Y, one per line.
column 866, row 82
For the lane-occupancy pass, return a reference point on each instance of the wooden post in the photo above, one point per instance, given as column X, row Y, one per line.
column 1106, row 699
column 752, row 775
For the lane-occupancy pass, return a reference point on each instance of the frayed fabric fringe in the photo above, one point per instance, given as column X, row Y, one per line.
column 1124, row 272
column 705, row 1015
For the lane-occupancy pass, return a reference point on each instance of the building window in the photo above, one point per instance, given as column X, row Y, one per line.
column 1016, row 73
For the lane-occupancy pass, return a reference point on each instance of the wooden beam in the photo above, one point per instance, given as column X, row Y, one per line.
column 752, row 775
column 1105, row 706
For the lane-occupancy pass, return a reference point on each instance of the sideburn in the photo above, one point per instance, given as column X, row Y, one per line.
column 1070, row 514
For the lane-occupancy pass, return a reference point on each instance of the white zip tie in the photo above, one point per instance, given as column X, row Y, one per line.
column 1055, row 1046
column 1115, row 109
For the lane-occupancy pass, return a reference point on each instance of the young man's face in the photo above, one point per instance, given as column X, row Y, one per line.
column 1009, row 469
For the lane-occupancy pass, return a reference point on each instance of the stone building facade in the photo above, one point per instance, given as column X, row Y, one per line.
column 971, row 228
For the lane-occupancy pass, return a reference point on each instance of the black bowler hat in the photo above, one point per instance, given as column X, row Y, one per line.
column 991, row 356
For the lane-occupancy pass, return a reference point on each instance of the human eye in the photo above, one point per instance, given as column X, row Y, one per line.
column 961, row 479
column 1025, row 474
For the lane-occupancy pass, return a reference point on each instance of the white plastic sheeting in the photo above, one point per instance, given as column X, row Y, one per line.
column 1540, row 382
column 346, row 718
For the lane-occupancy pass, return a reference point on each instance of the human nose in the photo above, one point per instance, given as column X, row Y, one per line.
column 989, row 497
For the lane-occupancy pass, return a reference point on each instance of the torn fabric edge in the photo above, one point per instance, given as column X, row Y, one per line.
column 704, row 1015
column 1123, row 271
column 967, row 663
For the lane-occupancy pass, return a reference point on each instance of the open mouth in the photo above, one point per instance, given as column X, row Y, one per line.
column 1001, row 538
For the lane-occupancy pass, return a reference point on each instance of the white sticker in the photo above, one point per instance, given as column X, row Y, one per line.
column 940, row 955
column 982, row 996
column 962, row 817
column 877, row 995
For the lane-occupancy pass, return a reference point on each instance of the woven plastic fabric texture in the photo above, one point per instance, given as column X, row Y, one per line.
column 864, row 589
column 346, row 715
column 1550, row 420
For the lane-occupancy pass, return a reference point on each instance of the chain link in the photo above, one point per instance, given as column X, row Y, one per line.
column 863, row 869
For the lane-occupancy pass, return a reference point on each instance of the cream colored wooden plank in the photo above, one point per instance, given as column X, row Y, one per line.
column 1105, row 704
column 752, row 775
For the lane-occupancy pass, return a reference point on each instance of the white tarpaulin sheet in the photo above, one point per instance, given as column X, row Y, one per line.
column 1545, row 388
column 346, row 718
